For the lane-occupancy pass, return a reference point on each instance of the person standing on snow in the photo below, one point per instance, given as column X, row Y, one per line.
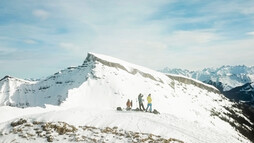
column 149, row 104
column 140, row 101
column 128, row 104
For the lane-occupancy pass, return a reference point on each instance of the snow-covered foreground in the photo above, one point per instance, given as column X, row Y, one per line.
column 88, row 95
column 165, row 125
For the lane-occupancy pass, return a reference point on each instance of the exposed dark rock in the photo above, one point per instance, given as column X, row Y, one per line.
column 241, row 93
column 6, row 77
column 218, row 85
column 19, row 122
column 81, row 133
column 245, row 127
column 50, row 138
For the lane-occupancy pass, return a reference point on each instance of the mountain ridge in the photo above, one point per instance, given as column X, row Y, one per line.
column 85, row 71
column 229, row 76
column 91, row 92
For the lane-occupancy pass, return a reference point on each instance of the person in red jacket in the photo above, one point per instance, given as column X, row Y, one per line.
column 128, row 104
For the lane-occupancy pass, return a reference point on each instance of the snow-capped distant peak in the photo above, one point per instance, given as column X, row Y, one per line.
column 7, row 78
column 228, row 76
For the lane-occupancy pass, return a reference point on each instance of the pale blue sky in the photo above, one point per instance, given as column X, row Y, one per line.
column 39, row 38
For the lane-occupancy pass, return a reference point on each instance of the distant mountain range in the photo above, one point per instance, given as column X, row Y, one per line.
column 235, row 82
column 227, row 77
column 246, row 91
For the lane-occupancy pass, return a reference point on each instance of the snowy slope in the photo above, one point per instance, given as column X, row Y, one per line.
column 229, row 76
column 52, row 90
column 191, row 111
column 8, row 87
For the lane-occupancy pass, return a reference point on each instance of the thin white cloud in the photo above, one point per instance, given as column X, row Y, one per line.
column 30, row 41
column 232, row 6
column 250, row 33
column 196, row 37
column 42, row 14
column 3, row 38
column 5, row 51
column 248, row 10
column 71, row 47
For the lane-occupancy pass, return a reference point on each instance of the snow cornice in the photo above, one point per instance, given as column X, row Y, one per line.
column 117, row 63
column 197, row 83
column 147, row 73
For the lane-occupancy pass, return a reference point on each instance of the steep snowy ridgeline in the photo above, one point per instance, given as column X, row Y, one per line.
column 191, row 111
column 8, row 86
column 229, row 76
column 197, row 83
column 52, row 90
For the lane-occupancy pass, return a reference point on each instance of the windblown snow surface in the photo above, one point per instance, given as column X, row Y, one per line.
column 88, row 95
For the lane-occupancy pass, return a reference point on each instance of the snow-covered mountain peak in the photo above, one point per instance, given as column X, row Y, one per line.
column 6, row 77
column 91, row 92
column 104, row 59
column 10, row 78
column 123, row 65
column 108, row 71
column 97, row 57
column 228, row 76
column 116, row 63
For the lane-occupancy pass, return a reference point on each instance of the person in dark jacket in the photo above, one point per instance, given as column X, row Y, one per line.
column 140, row 101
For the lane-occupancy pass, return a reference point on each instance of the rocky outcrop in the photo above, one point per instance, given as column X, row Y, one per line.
column 34, row 131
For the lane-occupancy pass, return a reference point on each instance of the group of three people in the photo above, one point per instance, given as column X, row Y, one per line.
column 141, row 105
